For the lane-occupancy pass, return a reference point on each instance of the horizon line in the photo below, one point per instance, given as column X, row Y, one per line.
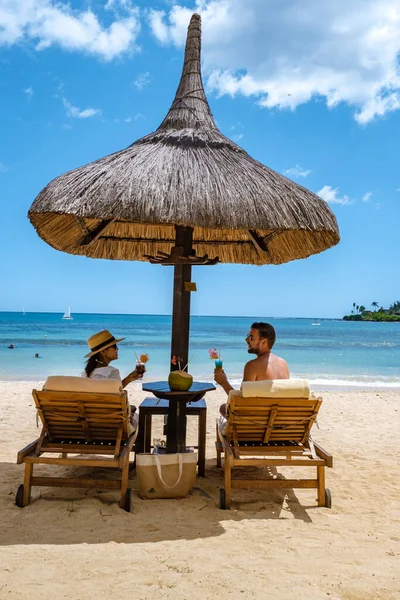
column 61, row 312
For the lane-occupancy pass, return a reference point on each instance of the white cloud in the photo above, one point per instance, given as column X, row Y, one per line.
column 118, row 6
column 77, row 113
column 28, row 92
column 385, row 101
column 3, row 168
column 237, row 125
column 398, row 190
column 287, row 53
column 238, row 129
column 142, row 80
column 45, row 23
column 158, row 27
column 331, row 195
column 297, row 172
column 366, row 197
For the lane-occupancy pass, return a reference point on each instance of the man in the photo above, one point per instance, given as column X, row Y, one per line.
column 266, row 365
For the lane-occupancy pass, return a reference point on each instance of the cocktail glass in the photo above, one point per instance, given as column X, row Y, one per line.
column 218, row 363
column 140, row 367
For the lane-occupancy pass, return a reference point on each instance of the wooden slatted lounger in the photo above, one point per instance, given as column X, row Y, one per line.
column 84, row 428
column 271, row 432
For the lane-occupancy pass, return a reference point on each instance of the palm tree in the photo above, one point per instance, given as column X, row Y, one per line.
column 357, row 308
column 375, row 305
column 361, row 309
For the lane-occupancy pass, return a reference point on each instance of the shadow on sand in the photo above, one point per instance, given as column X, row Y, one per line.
column 74, row 516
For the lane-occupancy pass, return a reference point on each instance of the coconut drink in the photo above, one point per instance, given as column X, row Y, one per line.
column 179, row 380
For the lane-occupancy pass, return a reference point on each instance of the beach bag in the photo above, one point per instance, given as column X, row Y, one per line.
column 166, row 475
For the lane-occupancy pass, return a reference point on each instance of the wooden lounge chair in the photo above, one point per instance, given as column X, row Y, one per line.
column 271, row 432
column 87, row 423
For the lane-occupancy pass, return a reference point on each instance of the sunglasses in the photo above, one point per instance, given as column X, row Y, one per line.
column 251, row 337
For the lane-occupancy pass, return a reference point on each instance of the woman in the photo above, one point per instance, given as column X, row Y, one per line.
column 104, row 349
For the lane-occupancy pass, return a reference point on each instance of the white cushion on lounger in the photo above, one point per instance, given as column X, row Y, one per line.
column 234, row 393
column 276, row 388
column 66, row 383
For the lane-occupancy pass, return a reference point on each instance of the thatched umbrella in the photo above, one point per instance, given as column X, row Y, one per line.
column 183, row 195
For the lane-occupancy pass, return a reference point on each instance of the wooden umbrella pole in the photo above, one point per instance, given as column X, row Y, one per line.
column 176, row 435
column 181, row 299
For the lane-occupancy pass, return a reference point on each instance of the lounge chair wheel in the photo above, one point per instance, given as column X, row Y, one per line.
column 127, row 505
column 19, row 497
column 328, row 498
column 222, row 503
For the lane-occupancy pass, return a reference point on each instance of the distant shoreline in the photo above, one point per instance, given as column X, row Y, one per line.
column 380, row 315
column 377, row 319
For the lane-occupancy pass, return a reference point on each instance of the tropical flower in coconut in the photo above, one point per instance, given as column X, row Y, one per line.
column 177, row 360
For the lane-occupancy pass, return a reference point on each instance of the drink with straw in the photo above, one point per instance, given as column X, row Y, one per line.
column 215, row 355
column 141, row 363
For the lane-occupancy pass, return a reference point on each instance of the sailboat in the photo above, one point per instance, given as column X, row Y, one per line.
column 67, row 314
column 23, row 312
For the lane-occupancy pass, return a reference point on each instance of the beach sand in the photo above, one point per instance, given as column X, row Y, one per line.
column 78, row 544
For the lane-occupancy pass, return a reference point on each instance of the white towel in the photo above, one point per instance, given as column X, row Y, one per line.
column 276, row 388
column 65, row 383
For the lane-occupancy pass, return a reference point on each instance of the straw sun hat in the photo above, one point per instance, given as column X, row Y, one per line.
column 100, row 341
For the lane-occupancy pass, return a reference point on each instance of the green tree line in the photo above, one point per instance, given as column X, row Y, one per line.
column 378, row 313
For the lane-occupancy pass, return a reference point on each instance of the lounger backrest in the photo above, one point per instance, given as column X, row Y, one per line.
column 271, row 419
column 83, row 415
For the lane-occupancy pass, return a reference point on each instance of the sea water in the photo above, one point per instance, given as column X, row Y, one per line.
column 328, row 352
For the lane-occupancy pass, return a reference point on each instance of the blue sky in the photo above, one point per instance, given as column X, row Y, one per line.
column 311, row 91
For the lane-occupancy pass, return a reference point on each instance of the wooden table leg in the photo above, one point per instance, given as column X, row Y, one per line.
column 176, row 434
column 147, row 431
column 139, row 444
column 202, row 443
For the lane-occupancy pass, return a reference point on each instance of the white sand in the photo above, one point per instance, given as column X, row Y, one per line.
column 78, row 544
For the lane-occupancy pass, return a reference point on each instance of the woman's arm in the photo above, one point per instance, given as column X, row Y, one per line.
column 134, row 376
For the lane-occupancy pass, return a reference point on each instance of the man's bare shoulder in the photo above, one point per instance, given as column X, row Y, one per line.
column 279, row 367
column 278, row 359
column 252, row 362
column 250, row 370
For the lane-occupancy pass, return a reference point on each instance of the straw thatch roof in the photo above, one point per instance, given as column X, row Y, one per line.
column 126, row 205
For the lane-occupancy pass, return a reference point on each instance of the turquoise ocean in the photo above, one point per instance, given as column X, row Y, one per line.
column 328, row 352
